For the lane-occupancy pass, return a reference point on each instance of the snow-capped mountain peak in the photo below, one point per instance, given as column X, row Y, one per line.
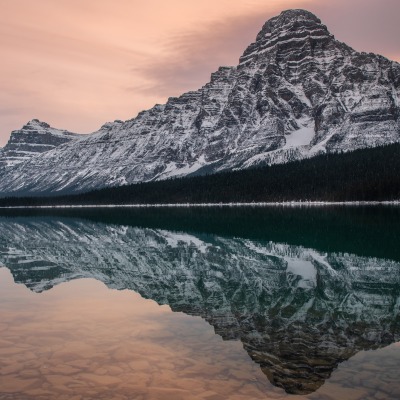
column 295, row 93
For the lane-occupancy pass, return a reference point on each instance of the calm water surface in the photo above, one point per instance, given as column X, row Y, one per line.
column 200, row 304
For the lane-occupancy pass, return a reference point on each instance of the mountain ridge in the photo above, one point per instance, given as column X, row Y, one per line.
column 363, row 175
column 34, row 138
column 295, row 93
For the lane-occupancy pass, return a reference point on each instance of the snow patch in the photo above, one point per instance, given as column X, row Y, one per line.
column 304, row 269
column 301, row 137
column 174, row 240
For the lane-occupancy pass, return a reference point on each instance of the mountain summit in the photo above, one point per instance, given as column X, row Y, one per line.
column 296, row 92
column 300, row 23
column 33, row 138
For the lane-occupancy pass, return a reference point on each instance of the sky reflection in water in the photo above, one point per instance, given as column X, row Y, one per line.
column 298, row 312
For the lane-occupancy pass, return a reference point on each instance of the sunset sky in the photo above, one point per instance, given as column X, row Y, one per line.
column 79, row 63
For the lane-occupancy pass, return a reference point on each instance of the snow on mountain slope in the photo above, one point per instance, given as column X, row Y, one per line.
column 34, row 138
column 296, row 92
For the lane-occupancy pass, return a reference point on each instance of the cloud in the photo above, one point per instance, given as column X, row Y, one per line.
column 191, row 57
column 77, row 65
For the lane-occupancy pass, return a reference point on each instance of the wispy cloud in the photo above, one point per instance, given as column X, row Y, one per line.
column 190, row 57
column 77, row 64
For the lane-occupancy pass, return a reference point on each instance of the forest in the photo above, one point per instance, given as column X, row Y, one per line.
column 362, row 175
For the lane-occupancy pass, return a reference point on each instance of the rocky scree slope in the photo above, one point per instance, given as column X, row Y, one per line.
column 296, row 92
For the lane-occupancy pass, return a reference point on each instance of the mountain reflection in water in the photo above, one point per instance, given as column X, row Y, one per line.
column 298, row 311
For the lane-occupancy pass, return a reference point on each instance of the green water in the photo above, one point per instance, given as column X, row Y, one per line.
column 202, row 303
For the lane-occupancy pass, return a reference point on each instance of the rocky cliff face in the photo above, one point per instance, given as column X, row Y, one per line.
column 34, row 138
column 297, row 311
column 295, row 93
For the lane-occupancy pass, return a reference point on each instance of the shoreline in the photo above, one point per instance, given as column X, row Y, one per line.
column 189, row 205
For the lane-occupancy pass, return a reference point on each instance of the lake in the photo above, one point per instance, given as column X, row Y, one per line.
column 200, row 303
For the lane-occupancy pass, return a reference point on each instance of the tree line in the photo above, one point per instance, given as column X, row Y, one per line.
column 361, row 175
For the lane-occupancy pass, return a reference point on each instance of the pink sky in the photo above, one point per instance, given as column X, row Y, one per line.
column 79, row 63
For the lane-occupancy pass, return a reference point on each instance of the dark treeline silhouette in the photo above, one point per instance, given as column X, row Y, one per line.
column 362, row 175
column 365, row 230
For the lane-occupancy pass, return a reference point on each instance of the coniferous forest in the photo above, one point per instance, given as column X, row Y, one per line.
column 363, row 175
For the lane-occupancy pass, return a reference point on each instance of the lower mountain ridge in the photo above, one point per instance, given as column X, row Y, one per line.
column 296, row 92
column 34, row 138
column 364, row 175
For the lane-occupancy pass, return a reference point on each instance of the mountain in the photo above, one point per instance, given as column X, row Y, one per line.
column 34, row 138
column 363, row 175
column 298, row 312
column 296, row 92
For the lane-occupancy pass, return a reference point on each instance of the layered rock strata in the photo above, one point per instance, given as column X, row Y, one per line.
column 296, row 92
